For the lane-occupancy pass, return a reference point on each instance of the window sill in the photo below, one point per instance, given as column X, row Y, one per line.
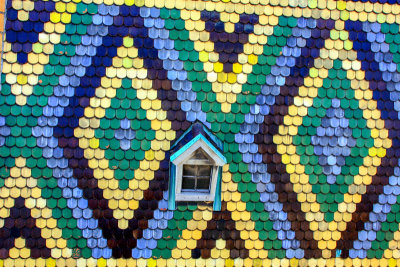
column 193, row 197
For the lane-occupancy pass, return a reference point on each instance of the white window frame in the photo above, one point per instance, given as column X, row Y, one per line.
column 186, row 158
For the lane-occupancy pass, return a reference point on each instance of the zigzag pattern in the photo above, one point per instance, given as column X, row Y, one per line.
column 304, row 95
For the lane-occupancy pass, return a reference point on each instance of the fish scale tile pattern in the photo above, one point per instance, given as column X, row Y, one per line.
column 2, row 21
column 304, row 95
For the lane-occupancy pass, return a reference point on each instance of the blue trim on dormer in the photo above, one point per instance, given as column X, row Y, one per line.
column 194, row 130
column 217, row 199
column 193, row 141
column 171, row 187
column 218, row 142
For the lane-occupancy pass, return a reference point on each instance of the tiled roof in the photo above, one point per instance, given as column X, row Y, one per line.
column 304, row 96
column 2, row 22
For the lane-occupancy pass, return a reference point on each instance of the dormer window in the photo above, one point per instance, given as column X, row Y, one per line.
column 196, row 166
column 196, row 173
column 196, row 177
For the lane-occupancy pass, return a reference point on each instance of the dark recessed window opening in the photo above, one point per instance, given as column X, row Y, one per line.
column 196, row 178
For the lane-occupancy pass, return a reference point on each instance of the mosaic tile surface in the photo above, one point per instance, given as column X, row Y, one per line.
column 305, row 96
column 2, row 22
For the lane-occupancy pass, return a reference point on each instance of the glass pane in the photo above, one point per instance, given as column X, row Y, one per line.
column 203, row 183
column 204, row 170
column 196, row 178
column 189, row 170
column 188, row 183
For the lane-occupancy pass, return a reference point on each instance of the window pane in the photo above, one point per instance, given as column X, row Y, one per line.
column 204, row 170
column 188, row 183
column 196, row 178
column 203, row 183
column 189, row 170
